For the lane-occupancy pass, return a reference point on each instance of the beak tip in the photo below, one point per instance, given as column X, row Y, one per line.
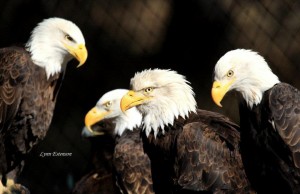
column 218, row 103
column 80, row 64
column 89, row 129
column 88, row 132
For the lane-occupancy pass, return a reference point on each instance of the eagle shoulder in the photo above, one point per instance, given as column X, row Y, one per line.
column 209, row 158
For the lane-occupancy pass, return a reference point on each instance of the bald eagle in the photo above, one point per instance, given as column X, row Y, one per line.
column 269, row 118
column 29, row 83
column 197, row 149
column 132, row 165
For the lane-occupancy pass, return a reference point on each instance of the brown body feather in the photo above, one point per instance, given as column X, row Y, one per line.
column 100, row 178
column 200, row 153
column 27, row 101
column 132, row 164
column 271, row 155
column 120, row 163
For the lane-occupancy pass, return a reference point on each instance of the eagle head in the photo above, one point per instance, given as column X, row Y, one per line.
column 54, row 42
column 161, row 96
column 108, row 107
column 244, row 71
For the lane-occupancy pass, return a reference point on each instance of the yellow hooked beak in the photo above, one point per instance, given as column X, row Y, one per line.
column 131, row 99
column 218, row 91
column 94, row 116
column 79, row 52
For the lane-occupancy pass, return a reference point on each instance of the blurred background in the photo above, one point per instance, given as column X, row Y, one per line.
column 126, row 36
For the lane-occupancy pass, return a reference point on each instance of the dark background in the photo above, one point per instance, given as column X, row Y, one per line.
column 126, row 36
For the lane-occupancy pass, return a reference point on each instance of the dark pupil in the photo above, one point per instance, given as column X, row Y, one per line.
column 69, row 38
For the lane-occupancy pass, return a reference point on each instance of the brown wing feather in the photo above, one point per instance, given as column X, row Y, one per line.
column 100, row 179
column 221, row 124
column 284, row 104
column 14, row 75
column 208, row 155
column 94, row 183
column 132, row 164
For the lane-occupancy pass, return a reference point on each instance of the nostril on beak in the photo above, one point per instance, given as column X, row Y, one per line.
column 216, row 85
column 130, row 94
column 80, row 46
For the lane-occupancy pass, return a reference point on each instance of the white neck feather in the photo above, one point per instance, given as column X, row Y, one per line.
column 128, row 121
column 45, row 54
column 252, row 90
column 168, row 110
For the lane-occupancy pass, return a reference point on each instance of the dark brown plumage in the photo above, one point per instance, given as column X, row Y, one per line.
column 27, row 101
column 132, row 164
column 95, row 183
column 270, row 140
column 100, row 179
column 212, row 144
column 119, row 165
column 201, row 153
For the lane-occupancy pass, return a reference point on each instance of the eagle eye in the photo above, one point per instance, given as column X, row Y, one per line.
column 108, row 104
column 148, row 90
column 230, row 73
column 68, row 37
